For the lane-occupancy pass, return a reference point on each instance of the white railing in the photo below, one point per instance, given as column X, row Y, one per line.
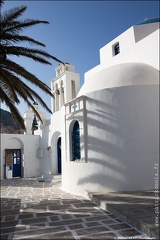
column 75, row 105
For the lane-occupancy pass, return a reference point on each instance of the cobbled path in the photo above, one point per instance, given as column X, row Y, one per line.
column 39, row 210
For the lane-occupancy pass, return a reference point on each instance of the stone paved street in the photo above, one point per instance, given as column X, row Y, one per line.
column 40, row 210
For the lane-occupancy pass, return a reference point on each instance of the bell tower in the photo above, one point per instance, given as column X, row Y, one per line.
column 65, row 86
column 31, row 122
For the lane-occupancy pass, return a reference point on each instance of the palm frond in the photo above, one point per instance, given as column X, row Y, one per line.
column 7, row 87
column 10, row 38
column 11, row 15
column 17, row 27
column 12, row 76
column 23, row 90
column 14, row 111
column 21, row 71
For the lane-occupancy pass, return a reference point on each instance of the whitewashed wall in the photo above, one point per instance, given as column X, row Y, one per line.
column 137, row 44
column 122, row 142
column 29, row 145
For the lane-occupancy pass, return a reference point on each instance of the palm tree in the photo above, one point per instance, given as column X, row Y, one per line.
column 12, row 88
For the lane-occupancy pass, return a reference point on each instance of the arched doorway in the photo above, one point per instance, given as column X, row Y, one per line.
column 76, row 151
column 14, row 165
column 59, row 154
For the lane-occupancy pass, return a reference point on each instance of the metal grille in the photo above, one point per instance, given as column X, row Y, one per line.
column 76, row 145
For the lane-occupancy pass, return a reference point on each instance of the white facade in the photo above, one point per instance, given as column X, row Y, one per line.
column 29, row 145
column 104, row 136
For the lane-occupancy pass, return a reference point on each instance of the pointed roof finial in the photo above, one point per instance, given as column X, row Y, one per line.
column 65, row 61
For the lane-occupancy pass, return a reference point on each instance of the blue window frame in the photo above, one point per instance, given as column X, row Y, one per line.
column 76, row 151
column 116, row 49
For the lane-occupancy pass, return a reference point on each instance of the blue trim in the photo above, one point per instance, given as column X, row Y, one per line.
column 116, row 49
column 76, row 127
column 151, row 20
column 16, row 161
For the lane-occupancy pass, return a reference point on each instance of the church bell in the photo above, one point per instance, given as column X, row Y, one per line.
column 34, row 125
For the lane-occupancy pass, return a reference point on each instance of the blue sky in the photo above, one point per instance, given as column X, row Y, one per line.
column 77, row 30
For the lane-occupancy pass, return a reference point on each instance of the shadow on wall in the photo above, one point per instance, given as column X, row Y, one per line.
column 122, row 142
column 45, row 161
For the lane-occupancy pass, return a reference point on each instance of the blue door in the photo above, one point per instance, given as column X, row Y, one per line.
column 59, row 154
column 16, row 156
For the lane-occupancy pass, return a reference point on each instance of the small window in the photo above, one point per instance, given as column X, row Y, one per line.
column 116, row 49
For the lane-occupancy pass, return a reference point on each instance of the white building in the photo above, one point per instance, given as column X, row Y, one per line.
column 104, row 135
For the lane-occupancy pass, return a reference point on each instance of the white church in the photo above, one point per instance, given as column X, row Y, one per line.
column 103, row 136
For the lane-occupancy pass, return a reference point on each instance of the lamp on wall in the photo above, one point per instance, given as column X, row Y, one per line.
column 49, row 148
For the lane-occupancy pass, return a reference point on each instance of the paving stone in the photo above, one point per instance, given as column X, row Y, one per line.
column 101, row 236
column 96, row 213
column 33, row 220
column 4, row 236
column 9, row 224
column 75, row 226
column 10, row 212
column 60, row 207
column 10, row 218
column 129, row 232
column 7, row 230
column 91, row 230
column 85, row 205
column 8, row 207
column 68, row 222
column 54, row 218
column 108, row 221
column 71, row 201
column 66, row 216
column 92, row 224
column 24, row 216
column 80, row 210
column 119, row 226
column 96, row 218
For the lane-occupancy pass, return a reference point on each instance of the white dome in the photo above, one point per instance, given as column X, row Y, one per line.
column 121, row 75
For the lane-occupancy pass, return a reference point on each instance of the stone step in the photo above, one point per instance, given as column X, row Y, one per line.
column 49, row 178
column 135, row 208
column 58, row 176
